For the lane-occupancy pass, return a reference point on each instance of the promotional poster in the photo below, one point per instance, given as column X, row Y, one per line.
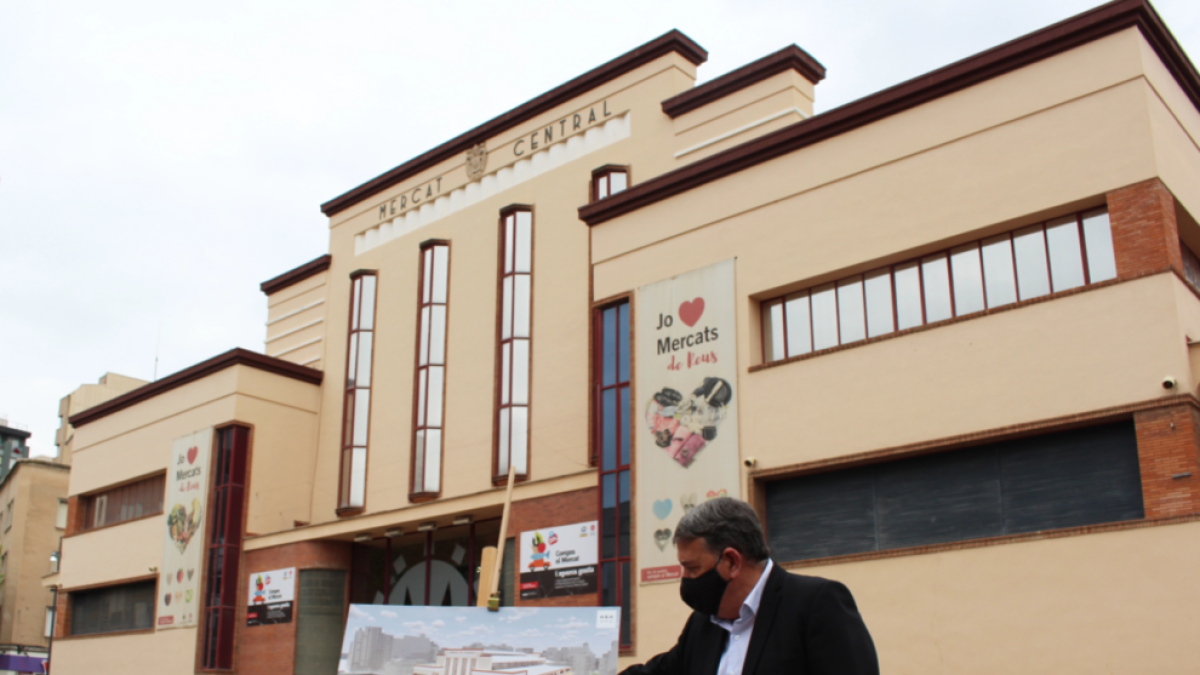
column 271, row 595
column 184, row 505
column 422, row 640
column 559, row 560
column 687, row 380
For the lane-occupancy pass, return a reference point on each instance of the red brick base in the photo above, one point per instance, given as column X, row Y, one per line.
column 271, row 650
column 1144, row 227
column 554, row 511
column 1169, row 447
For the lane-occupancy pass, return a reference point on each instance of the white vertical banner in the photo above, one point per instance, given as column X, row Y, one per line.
column 687, row 442
column 184, row 504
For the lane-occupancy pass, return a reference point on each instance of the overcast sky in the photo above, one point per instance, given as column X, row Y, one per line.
column 159, row 160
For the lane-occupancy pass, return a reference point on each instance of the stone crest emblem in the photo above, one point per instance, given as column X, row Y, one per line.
column 476, row 161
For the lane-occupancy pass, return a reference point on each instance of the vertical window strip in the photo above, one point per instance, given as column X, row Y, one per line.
column 356, row 417
column 430, row 381
column 224, row 547
column 1031, row 262
column 612, row 442
column 516, row 314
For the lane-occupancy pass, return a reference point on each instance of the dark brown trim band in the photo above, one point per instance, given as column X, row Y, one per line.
column 788, row 58
column 295, row 276
column 1063, row 36
column 233, row 357
column 673, row 41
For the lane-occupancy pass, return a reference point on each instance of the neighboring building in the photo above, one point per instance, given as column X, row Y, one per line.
column 12, row 443
column 956, row 326
column 110, row 385
column 33, row 513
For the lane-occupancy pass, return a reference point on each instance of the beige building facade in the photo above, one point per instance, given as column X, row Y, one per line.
column 943, row 334
column 33, row 512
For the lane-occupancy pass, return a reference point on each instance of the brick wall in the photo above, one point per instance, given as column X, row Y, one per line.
column 1145, row 231
column 1168, row 446
column 553, row 511
column 271, row 650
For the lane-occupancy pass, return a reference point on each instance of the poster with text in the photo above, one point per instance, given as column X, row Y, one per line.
column 687, row 437
column 270, row 597
column 183, row 553
column 559, row 560
column 426, row 640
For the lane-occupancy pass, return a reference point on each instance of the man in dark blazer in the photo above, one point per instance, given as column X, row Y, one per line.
column 751, row 617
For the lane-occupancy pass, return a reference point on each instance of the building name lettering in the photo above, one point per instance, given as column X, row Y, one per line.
column 545, row 135
column 555, row 131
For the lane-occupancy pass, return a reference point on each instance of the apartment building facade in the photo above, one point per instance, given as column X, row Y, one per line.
column 889, row 326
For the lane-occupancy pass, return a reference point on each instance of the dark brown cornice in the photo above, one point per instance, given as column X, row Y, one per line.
column 788, row 58
column 233, row 357
column 308, row 269
column 673, row 41
column 1060, row 37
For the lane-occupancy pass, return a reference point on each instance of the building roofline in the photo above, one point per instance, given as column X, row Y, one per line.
column 1055, row 39
column 233, row 357
column 36, row 461
column 672, row 41
column 295, row 276
column 790, row 57
column 12, row 431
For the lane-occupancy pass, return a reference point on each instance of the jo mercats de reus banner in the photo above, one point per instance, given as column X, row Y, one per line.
column 687, row 441
column 184, row 506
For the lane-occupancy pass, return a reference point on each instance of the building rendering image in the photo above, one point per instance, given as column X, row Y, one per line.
column 942, row 338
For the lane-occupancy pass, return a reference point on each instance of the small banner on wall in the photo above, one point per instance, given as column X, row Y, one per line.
column 687, row 375
column 184, row 503
column 559, row 560
column 271, row 597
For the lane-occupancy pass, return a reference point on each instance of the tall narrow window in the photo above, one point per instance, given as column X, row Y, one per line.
column 224, row 547
column 612, row 442
column 609, row 180
column 356, row 416
column 516, row 311
column 431, row 369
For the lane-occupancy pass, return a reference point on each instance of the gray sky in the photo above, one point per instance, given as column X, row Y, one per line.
column 159, row 160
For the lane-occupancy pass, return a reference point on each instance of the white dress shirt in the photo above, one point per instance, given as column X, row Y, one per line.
column 740, row 628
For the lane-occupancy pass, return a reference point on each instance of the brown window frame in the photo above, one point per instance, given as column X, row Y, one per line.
column 352, row 390
column 139, row 492
column 73, row 596
column 621, row 465
column 226, row 528
column 602, row 181
column 504, row 389
column 426, row 304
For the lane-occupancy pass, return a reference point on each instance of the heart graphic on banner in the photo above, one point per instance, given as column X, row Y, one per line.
column 662, row 508
column 190, row 573
column 167, row 599
column 192, row 452
column 690, row 312
column 661, row 537
column 187, row 595
column 713, row 494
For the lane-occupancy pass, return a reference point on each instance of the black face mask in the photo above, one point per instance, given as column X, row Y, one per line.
column 704, row 592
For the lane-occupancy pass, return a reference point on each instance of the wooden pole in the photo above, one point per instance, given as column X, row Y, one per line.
column 494, row 585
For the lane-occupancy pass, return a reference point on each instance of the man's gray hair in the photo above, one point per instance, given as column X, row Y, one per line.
column 724, row 523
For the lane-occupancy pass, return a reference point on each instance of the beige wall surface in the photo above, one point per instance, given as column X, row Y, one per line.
column 1059, row 130
column 296, row 322
column 1117, row 602
column 170, row 652
column 89, row 558
column 28, row 539
column 559, row 398
column 1103, row 348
